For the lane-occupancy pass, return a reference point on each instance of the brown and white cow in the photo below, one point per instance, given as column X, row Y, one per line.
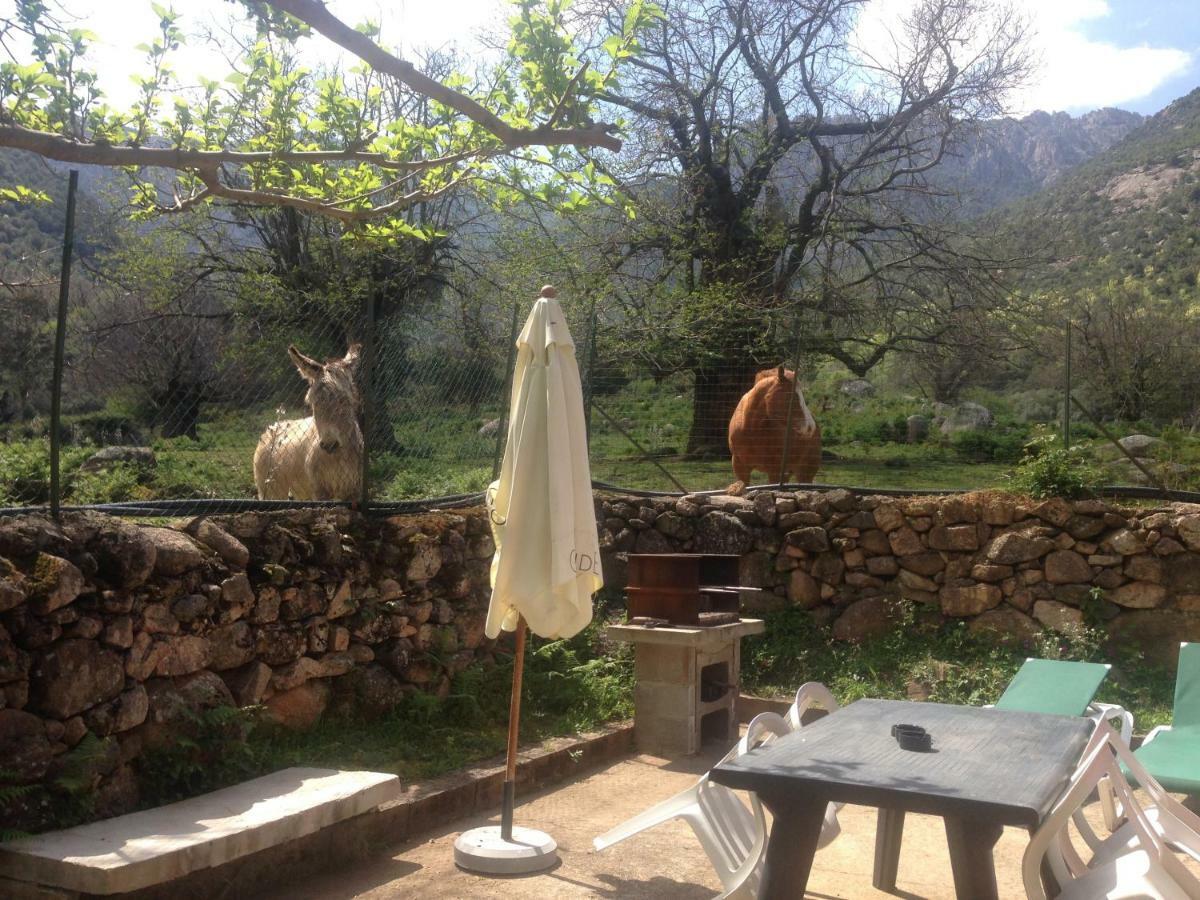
column 756, row 431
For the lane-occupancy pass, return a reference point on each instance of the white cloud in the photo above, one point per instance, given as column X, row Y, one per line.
column 1075, row 73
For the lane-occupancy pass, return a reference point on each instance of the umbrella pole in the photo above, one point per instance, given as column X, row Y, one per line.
column 514, row 725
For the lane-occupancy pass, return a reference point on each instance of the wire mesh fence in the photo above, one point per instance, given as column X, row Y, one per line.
column 197, row 396
column 200, row 401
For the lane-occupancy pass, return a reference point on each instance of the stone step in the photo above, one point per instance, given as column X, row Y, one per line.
column 155, row 846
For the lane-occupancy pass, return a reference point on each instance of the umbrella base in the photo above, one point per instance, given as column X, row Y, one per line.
column 483, row 850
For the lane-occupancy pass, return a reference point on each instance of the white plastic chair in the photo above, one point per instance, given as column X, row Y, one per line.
column 810, row 694
column 1133, row 863
column 1171, row 820
column 733, row 836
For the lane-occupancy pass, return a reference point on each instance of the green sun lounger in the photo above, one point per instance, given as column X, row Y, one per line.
column 1053, row 686
column 1171, row 753
column 1064, row 688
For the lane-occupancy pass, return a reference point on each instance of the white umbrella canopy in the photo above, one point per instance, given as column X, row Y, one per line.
column 547, row 561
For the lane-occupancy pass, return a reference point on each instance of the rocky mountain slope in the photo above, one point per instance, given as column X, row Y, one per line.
column 1129, row 212
column 1008, row 159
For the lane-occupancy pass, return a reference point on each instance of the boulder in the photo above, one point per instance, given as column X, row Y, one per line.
column 230, row 646
column 969, row 599
column 12, row 589
column 1125, row 542
column 175, row 552
column 990, row 573
column 1138, row 595
column 958, row 538
column 651, row 541
column 1189, row 531
column 905, row 541
column 1145, row 568
column 232, row 551
column 183, row 655
column 302, row 707
column 927, row 564
column 1067, row 567
column 25, row 751
column 278, row 645
column 143, row 656
column 1017, row 547
column 114, row 456
column 171, row 699
column 967, row 417
column 54, row 584
column 372, row 691
column 72, row 676
column 426, row 560
column 249, row 684
column 191, row 607
column 14, row 663
column 126, row 556
column 1139, row 445
column 858, row 388
column 1057, row 616
column 25, row 536
column 803, row 590
column 723, row 532
column 812, row 539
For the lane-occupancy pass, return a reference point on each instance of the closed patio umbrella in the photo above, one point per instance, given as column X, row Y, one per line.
column 547, row 561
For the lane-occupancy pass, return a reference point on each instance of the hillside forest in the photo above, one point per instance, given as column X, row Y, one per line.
column 922, row 260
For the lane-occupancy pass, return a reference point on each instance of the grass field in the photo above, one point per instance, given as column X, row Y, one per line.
column 440, row 448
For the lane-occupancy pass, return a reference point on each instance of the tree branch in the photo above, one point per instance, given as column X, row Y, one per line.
column 314, row 14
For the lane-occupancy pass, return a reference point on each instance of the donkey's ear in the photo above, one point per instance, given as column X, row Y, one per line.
column 353, row 356
column 308, row 367
column 780, row 373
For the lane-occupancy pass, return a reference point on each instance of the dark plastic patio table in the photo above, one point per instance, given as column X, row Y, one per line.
column 987, row 768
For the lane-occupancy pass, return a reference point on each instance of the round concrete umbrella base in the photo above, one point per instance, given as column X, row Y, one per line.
column 484, row 850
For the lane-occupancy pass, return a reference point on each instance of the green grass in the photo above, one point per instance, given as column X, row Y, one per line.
column 943, row 660
column 438, row 449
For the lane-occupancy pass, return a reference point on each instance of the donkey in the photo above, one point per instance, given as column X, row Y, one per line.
column 758, row 427
column 318, row 458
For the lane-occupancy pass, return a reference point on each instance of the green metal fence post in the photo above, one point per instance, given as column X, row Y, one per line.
column 1067, row 398
column 367, row 380
column 60, row 346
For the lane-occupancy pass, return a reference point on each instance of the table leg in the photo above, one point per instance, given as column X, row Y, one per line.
column 889, row 829
column 971, row 844
column 795, row 831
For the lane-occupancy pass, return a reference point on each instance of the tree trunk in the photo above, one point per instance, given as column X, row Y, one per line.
column 179, row 408
column 718, row 388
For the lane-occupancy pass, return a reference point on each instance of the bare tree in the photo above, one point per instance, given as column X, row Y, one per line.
column 780, row 162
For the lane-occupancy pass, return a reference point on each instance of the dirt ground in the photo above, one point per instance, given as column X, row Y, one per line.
column 665, row 862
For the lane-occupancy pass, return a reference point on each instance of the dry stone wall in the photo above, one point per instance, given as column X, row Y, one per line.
column 122, row 630
column 1010, row 566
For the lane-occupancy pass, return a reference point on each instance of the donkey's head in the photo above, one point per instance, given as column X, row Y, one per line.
column 332, row 396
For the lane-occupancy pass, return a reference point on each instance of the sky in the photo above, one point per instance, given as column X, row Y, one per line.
column 1133, row 54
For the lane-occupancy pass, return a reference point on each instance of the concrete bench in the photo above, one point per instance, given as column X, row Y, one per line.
column 155, row 846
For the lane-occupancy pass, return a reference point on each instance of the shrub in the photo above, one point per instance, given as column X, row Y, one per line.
column 990, row 446
column 1048, row 471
